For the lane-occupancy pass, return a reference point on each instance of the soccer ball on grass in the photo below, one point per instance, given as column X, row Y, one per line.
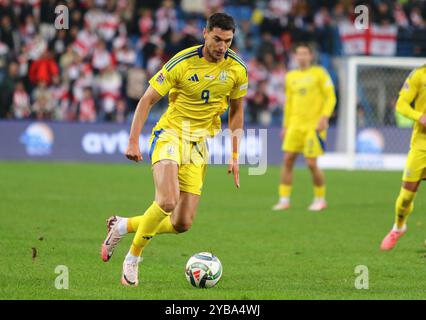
column 203, row 270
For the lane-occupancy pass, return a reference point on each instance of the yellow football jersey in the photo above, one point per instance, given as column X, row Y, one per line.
column 309, row 95
column 414, row 88
column 199, row 91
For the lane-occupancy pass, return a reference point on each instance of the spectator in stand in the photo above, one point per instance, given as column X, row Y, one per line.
column 265, row 46
column 44, row 69
column 155, row 62
column 42, row 107
column 125, row 56
column 28, row 30
column 85, row 41
column 173, row 46
column 60, row 99
column 136, row 85
column 109, row 88
column 108, row 26
column 245, row 39
column 21, row 107
column 166, row 21
column 7, row 88
column 60, row 43
column 416, row 18
column 66, row 60
column 383, row 15
column 258, row 103
column 146, row 22
column 7, row 34
column 47, row 18
column 101, row 57
column 86, row 107
column 121, row 111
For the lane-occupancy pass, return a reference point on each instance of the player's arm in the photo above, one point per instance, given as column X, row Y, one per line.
column 159, row 85
column 407, row 95
column 145, row 104
column 236, row 123
column 329, row 95
column 287, row 106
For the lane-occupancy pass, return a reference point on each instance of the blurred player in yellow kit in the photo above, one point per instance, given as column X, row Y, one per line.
column 201, row 82
column 414, row 89
column 310, row 101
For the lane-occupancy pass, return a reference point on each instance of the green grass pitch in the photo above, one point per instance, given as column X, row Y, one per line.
column 60, row 209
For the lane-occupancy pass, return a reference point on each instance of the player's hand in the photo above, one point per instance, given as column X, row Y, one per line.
column 422, row 120
column 323, row 124
column 133, row 152
column 234, row 168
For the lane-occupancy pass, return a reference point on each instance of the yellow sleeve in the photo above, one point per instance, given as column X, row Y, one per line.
column 287, row 104
column 407, row 94
column 241, row 85
column 164, row 79
column 327, row 88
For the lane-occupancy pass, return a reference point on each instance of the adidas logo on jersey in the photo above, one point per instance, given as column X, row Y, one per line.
column 194, row 78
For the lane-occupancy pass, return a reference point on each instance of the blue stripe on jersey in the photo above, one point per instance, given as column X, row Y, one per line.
column 321, row 141
column 234, row 54
column 178, row 57
column 154, row 142
column 180, row 60
column 237, row 58
column 238, row 62
column 172, row 60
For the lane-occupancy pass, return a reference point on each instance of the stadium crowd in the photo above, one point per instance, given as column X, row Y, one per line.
column 98, row 68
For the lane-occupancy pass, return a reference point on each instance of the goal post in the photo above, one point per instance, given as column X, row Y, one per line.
column 369, row 134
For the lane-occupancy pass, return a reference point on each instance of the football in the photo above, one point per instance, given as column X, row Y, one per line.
column 203, row 270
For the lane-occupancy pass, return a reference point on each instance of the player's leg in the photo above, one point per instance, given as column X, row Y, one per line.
column 314, row 147
column 183, row 215
column 318, row 180
column 166, row 183
column 191, row 178
column 403, row 207
column 117, row 227
column 286, row 181
column 414, row 172
column 292, row 146
column 405, row 203
column 181, row 218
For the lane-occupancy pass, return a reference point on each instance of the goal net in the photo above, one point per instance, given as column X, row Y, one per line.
column 369, row 134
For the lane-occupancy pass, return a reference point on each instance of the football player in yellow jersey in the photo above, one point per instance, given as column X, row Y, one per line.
column 414, row 89
column 310, row 101
column 201, row 82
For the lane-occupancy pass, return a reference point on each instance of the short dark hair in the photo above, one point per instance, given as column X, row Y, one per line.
column 220, row 20
column 303, row 45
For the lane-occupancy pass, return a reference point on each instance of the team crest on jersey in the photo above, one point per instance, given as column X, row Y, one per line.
column 160, row 78
column 407, row 173
column 223, row 75
column 170, row 150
